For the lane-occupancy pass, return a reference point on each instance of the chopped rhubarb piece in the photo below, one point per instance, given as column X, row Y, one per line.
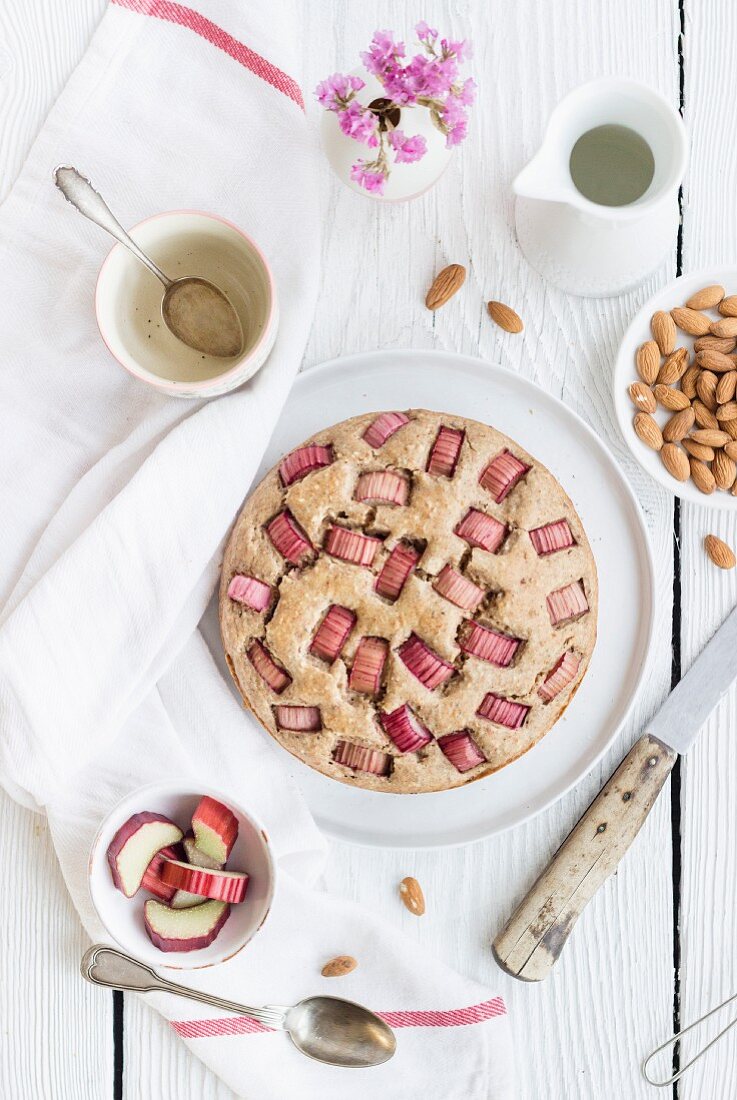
column 250, row 591
column 444, row 452
column 456, row 588
column 502, row 474
column 488, row 645
column 227, row 886
column 395, row 570
column 134, row 846
column 482, row 530
column 351, row 546
column 385, row 425
column 505, row 712
column 267, row 668
column 405, row 729
column 368, row 665
column 184, row 900
column 360, row 759
column 215, row 828
column 383, row 487
column 567, row 603
column 199, row 858
column 289, row 539
column 332, row 633
column 184, row 929
column 560, row 676
column 552, row 537
column 461, row 750
column 304, row 461
column 298, row 719
column 429, row 668
column 152, row 880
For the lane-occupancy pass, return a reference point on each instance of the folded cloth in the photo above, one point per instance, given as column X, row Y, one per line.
column 115, row 502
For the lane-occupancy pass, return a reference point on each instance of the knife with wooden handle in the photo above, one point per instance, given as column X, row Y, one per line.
column 534, row 936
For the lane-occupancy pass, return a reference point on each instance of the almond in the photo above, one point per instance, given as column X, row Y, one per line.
column 702, row 476
column 714, row 360
column 727, row 412
column 675, row 461
column 706, row 388
column 724, row 344
column 726, row 387
column 731, row 448
column 679, row 425
column 643, row 398
column 674, row 367
column 709, row 437
column 445, row 285
column 647, row 361
column 730, row 427
column 664, row 331
column 707, row 297
column 675, row 400
column 721, row 554
column 698, row 450
column 728, row 306
column 337, row 967
column 689, row 380
column 724, row 470
column 691, row 321
column 504, row 316
column 725, row 327
column 704, row 417
column 648, row 431
column 411, row 894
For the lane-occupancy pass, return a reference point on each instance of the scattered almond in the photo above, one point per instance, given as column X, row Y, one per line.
column 727, row 412
column 648, row 430
column 445, row 285
column 724, row 344
column 704, row 417
column 706, row 388
column 675, row 461
column 702, row 476
column 728, row 306
column 643, row 398
column 721, row 554
column 691, row 321
column 663, row 328
column 504, row 316
column 689, row 380
column 714, row 360
column 411, row 894
column 337, row 967
column 724, row 470
column 698, row 450
column 709, row 437
column 647, row 361
column 707, row 297
column 674, row 367
column 679, row 425
column 726, row 327
column 669, row 398
column 726, row 387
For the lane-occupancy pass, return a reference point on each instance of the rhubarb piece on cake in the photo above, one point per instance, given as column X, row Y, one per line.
column 351, row 546
column 462, row 751
column 424, row 663
column 288, row 538
column 405, row 729
column 305, row 460
column 298, row 719
column 250, row 591
column 332, row 633
column 395, row 570
column 134, row 846
column 227, row 886
column 267, row 668
column 215, row 828
column 502, row 474
column 445, row 450
column 197, row 857
column 360, row 759
column 566, row 604
column 382, row 487
column 457, row 589
column 152, row 880
column 188, row 929
column 482, row 530
column 552, row 537
column 368, row 665
column 383, row 427
column 487, row 644
column 504, row 712
column 562, row 674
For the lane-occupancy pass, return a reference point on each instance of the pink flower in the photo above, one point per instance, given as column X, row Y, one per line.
column 383, row 54
column 428, row 76
column 455, row 121
column 424, row 32
column 370, row 179
column 407, row 150
column 338, row 90
column 467, row 92
column 461, row 50
column 359, row 123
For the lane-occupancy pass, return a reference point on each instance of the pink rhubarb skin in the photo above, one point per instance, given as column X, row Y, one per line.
column 351, row 546
column 457, row 589
column 482, row 530
column 288, row 538
column 401, row 562
column 360, row 759
column 227, row 886
column 215, row 828
column 502, row 474
column 298, row 719
column 368, row 665
column 304, row 461
column 462, row 751
column 134, row 846
column 187, row 929
column 488, row 645
column 566, row 604
column 198, row 858
column 383, row 427
column 405, row 729
column 552, row 537
column 267, row 668
column 424, row 663
column 249, row 591
column 152, row 880
column 560, row 676
column 504, row 712
column 445, row 451
column 332, row 633
column 382, row 487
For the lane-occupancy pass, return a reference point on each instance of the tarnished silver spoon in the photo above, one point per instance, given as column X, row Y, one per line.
column 328, row 1029
column 193, row 309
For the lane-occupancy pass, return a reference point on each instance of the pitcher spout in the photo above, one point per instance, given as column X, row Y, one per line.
column 542, row 179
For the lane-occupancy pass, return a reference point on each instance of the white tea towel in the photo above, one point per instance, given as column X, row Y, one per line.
column 115, row 502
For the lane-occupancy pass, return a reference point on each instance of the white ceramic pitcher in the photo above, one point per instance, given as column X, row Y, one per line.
column 581, row 246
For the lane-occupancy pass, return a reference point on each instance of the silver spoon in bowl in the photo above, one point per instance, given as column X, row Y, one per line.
column 327, row 1029
column 193, row 309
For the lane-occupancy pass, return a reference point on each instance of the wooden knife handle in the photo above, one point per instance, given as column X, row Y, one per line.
column 533, row 938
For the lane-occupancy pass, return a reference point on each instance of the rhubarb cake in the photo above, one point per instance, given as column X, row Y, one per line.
column 408, row 601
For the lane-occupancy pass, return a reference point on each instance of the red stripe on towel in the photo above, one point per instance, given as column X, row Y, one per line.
column 244, row 1025
column 211, row 32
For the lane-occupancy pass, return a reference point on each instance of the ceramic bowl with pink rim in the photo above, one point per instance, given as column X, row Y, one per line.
column 128, row 302
column 175, row 919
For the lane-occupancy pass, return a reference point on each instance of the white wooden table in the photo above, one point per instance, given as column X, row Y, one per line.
column 658, row 942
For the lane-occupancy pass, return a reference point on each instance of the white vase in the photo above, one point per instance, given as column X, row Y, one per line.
column 406, row 181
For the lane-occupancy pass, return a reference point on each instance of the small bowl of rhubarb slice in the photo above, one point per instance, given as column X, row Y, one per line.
column 181, row 878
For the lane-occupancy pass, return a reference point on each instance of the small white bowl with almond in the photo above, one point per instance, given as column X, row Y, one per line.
column 181, row 878
column 675, row 387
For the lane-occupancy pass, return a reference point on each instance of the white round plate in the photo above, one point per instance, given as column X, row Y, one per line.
column 672, row 295
column 557, row 437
